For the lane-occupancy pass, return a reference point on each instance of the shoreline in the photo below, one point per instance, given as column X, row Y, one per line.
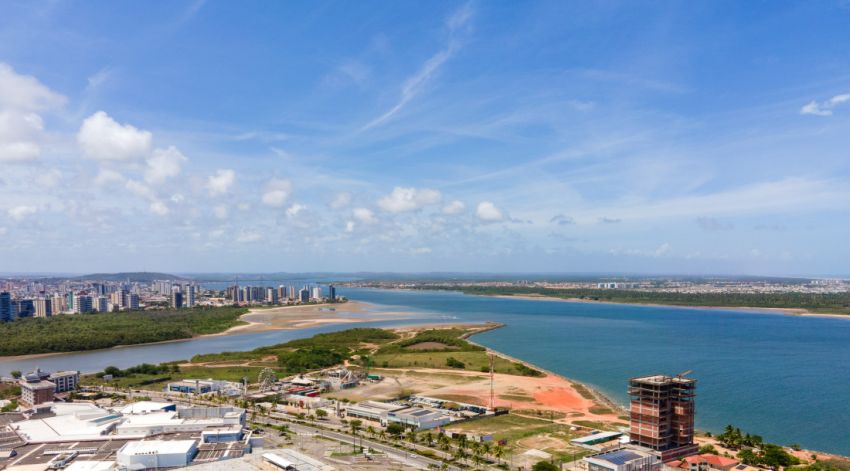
column 253, row 327
column 597, row 395
column 787, row 311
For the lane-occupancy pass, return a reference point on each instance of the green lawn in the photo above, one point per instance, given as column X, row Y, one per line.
column 473, row 361
column 508, row 427
column 157, row 382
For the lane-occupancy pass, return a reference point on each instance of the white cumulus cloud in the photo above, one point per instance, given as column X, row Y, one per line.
column 159, row 208
column 364, row 215
column 23, row 92
column 277, row 192
column 140, row 189
column 455, row 207
column 487, row 211
column 164, row 164
column 408, row 199
column 22, row 98
column 221, row 182
column 294, row 209
column 107, row 177
column 18, row 213
column 341, row 200
column 102, row 138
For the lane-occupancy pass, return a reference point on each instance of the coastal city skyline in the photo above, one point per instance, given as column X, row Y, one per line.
column 455, row 235
column 620, row 137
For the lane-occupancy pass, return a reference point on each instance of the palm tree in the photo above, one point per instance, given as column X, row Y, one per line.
column 371, row 431
column 499, row 452
column 444, row 441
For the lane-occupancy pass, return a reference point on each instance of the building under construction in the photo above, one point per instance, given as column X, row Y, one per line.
column 662, row 414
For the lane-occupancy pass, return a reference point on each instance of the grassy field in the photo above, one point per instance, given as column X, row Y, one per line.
column 447, row 349
column 599, row 425
column 473, row 361
column 158, row 381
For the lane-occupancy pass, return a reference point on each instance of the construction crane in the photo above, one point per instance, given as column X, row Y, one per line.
column 682, row 375
column 492, row 394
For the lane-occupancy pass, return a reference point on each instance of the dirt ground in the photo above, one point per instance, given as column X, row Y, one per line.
column 549, row 393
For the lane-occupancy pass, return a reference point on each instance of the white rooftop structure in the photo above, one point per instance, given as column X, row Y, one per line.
column 71, row 421
column 152, row 454
column 181, row 420
column 292, row 460
column 90, row 466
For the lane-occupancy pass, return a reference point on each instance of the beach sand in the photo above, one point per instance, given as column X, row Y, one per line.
column 302, row 317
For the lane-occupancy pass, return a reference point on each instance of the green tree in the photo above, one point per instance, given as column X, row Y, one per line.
column 16, row 374
column 321, row 413
column 775, row 457
column 708, row 449
column 544, row 466
column 395, row 429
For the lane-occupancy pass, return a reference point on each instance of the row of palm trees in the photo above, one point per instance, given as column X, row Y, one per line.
column 461, row 448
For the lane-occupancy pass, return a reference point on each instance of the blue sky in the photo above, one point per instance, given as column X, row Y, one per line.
column 675, row 137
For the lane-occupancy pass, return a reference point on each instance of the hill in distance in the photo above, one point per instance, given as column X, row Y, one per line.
column 140, row 277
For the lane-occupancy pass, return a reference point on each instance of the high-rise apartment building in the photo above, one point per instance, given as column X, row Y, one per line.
column 132, row 301
column 189, row 299
column 332, row 293
column 43, row 307
column 317, row 293
column 58, row 304
column 662, row 414
column 271, row 295
column 23, row 308
column 176, row 299
column 5, row 307
column 83, row 304
column 99, row 304
column 304, row 295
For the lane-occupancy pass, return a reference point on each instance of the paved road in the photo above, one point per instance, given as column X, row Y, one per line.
column 412, row 459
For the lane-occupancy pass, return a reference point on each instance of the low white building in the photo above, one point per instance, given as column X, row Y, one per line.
column 372, row 410
column 65, row 380
column 153, row 454
column 74, row 421
column 190, row 419
column 419, row 418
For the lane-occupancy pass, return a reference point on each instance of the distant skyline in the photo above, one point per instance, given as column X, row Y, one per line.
column 561, row 137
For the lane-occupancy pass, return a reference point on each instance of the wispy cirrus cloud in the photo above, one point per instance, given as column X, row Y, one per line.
column 824, row 108
column 415, row 84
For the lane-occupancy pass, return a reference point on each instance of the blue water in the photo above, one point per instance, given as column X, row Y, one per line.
column 786, row 378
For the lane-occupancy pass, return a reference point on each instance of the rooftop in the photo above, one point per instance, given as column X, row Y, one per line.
column 149, row 447
column 70, row 421
column 619, row 457
column 144, row 407
column 663, row 379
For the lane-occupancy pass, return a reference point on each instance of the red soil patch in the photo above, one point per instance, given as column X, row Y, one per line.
column 561, row 399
